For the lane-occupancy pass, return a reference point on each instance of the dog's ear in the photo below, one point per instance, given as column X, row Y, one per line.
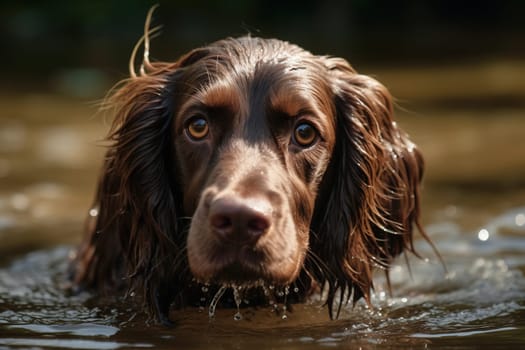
column 369, row 197
column 133, row 237
column 132, row 232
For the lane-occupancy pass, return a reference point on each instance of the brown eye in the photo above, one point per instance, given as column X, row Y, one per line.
column 197, row 128
column 305, row 135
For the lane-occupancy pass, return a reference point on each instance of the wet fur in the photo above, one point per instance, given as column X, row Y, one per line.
column 358, row 213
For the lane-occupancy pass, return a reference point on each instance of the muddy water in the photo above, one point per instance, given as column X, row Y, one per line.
column 474, row 210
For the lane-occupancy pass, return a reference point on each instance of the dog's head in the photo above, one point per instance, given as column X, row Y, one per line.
column 254, row 133
column 288, row 165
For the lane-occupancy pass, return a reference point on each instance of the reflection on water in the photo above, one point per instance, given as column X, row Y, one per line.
column 474, row 211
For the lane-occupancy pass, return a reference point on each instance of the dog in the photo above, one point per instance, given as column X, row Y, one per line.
column 250, row 162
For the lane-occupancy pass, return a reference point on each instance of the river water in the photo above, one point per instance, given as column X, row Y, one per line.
column 473, row 210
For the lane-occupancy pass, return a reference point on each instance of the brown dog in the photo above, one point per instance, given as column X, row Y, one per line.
column 250, row 162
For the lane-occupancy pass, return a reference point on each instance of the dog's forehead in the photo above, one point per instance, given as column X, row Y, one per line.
column 287, row 86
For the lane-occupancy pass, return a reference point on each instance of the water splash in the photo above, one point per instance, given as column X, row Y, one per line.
column 215, row 300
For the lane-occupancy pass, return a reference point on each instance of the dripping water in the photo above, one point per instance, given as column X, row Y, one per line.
column 238, row 300
column 203, row 298
column 215, row 300
column 275, row 296
column 269, row 293
column 286, row 292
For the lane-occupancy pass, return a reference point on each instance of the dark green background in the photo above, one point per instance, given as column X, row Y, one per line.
column 42, row 38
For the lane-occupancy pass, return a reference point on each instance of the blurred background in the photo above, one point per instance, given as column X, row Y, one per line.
column 457, row 70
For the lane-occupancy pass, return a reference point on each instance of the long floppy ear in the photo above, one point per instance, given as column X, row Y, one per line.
column 133, row 238
column 369, row 197
column 136, row 232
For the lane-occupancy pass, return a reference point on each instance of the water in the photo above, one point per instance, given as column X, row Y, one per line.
column 473, row 209
column 214, row 301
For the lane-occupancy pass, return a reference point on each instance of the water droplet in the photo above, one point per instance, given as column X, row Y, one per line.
column 296, row 290
column 483, row 235
column 237, row 316
column 284, row 316
column 93, row 212
column 285, row 302
column 215, row 300
column 204, row 289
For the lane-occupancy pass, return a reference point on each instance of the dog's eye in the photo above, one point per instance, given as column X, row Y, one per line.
column 197, row 128
column 304, row 135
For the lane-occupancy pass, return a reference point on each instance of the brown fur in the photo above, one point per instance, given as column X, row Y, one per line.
column 335, row 210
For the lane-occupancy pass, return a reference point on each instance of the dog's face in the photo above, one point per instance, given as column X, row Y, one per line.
column 252, row 141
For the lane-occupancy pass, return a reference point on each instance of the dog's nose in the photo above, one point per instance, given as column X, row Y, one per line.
column 240, row 220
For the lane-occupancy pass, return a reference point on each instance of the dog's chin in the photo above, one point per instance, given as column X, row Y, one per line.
column 237, row 275
column 247, row 268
